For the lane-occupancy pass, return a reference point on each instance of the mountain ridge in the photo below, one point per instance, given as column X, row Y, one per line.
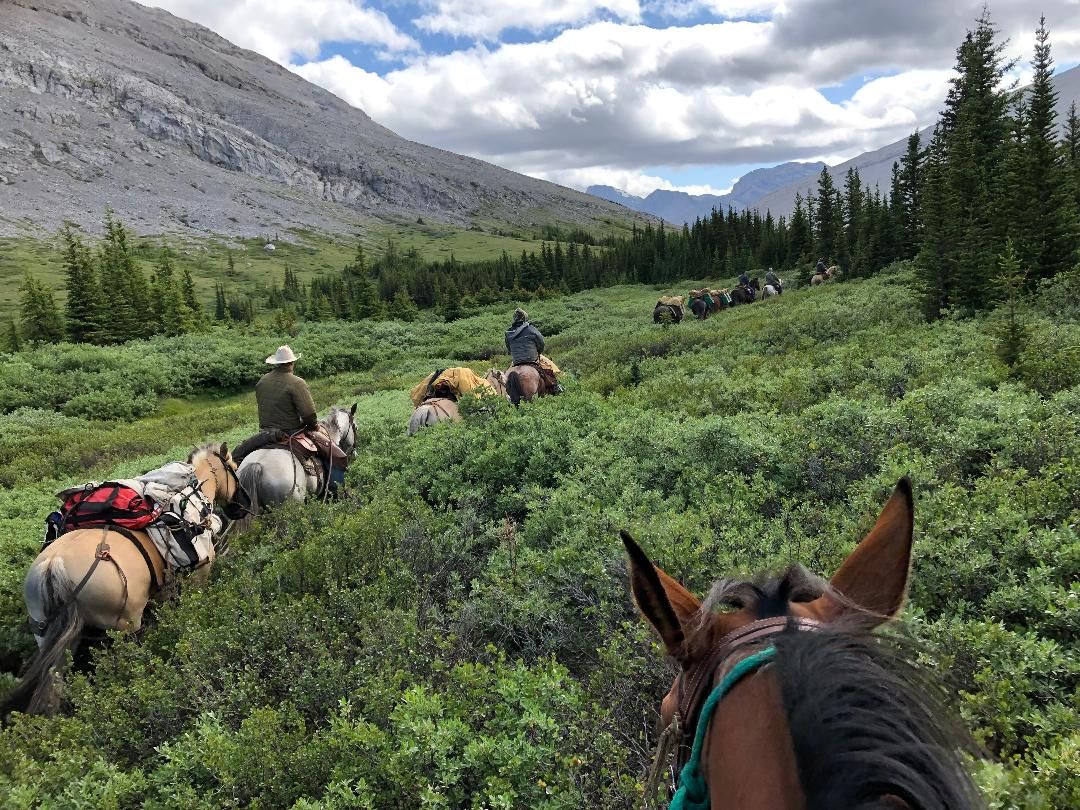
column 109, row 102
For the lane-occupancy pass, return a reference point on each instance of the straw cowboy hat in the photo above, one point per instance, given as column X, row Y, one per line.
column 283, row 355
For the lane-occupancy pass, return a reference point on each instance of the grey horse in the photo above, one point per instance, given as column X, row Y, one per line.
column 273, row 475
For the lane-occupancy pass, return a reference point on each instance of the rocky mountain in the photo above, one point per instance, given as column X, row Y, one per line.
column 679, row 207
column 111, row 103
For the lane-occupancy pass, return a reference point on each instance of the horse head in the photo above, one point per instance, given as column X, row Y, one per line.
column 213, row 462
column 783, row 687
column 340, row 425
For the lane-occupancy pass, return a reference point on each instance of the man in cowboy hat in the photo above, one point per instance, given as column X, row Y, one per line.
column 526, row 346
column 284, row 401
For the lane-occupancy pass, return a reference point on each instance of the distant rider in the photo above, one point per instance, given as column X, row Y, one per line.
column 526, row 344
column 774, row 280
column 744, row 279
column 821, row 268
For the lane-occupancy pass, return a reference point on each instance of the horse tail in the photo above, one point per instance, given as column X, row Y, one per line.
column 513, row 388
column 51, row 590
column 250, row 478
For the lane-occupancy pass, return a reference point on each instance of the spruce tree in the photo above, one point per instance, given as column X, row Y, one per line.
column 12, row 338
column 827, row 221
column 41, row 321
column 1048, row 238
column 403, row 308
column 165, row 297
column 84, row 308
column 190, row 296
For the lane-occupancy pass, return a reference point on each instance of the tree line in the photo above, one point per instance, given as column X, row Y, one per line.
column 994, row 195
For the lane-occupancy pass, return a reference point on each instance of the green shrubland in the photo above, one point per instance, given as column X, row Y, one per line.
column 459, row 634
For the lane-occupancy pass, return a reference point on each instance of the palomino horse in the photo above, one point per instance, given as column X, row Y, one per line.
column 442, row 409
column 98, row 579
column 273, row 475
column 821, row 278
column 785, row 699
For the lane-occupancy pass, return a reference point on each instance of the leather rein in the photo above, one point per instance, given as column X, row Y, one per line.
column 693, row 685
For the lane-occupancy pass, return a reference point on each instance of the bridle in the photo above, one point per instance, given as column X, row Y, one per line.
column 233, row 507
column 694, row 689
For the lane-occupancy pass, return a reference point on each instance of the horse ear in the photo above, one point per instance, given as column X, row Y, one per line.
column 352, row 410
column 872, row 581
column 660, row 598
column 224, row 451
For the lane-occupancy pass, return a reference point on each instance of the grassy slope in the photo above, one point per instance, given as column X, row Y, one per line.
column 254, row 268
column 767, row 433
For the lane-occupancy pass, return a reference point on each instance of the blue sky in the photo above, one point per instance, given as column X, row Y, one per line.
column 639, row 94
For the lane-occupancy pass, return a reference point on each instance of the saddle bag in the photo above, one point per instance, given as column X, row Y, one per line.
column 107, row 504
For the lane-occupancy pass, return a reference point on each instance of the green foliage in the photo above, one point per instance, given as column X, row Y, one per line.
column 41, row 321
column 460, row 633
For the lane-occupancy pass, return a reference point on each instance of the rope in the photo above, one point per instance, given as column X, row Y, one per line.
column 693, row 794
column 669, row 738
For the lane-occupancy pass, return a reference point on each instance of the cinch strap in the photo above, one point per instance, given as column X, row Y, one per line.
column 692, row 793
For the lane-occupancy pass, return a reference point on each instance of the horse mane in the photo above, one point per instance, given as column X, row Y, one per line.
column 866, row 725
column 203, row 451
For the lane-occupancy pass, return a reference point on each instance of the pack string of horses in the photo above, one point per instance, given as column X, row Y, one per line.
column 783, row 698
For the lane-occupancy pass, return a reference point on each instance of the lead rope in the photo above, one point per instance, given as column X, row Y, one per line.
column 693, row 793
column 669, row 738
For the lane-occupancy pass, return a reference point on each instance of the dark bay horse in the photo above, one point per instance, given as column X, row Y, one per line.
column 786, row 700
column 700, row 308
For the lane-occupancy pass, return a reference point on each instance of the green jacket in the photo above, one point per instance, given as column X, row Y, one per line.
column 284, row 402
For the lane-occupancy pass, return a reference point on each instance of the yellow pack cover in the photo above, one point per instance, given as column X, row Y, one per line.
column 460, row 378
column 671, row 300
column 547, row 362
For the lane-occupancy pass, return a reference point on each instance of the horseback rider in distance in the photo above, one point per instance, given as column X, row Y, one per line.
column 821, row 268
column 774, row 280
column 526, row 344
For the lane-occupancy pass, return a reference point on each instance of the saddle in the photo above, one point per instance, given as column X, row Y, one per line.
column 547, row 375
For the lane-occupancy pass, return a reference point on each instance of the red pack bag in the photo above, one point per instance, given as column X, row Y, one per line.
column 108, row 504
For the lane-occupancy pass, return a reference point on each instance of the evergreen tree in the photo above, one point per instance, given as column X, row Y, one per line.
column 827, row 220
column 124, row 288
column 84, row 308
column 41, row 321
column 193, row 305
column 1070, row 148
column 853, row 225
column 403, row 308
column 450, row 302
column 904, row 198
column 221, row 307
column 1047, row 217
column 12, row 338
column 165, row 298
column 1011, row 279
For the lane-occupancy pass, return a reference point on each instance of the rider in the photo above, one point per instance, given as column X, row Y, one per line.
column 525, row 344
column 284, row 402
column 821, row 268
column 744, row 279
column 774, row 280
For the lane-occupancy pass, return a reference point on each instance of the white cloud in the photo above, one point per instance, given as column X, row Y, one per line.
column 488, row 18
column 285, row 29
column 635, row 183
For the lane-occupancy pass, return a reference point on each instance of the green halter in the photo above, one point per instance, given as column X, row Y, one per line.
column 692, row 793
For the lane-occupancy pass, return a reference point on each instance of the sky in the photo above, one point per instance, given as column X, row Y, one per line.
column 636, row 94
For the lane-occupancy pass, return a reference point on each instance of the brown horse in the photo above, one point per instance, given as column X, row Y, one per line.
column 97, row 579
column 787, row 698
column 821, row 278
column 523, row 382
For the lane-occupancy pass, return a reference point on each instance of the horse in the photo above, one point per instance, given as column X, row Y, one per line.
column 769, row 291
column 784, row 698
column 523, row 382
column 821, row 278
column 743, row 295
column 700, row 308
column 443, row 409
column 431, row 412
column 667, row 313
column 719, row 300
column 273, row 475
column 96, row 579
